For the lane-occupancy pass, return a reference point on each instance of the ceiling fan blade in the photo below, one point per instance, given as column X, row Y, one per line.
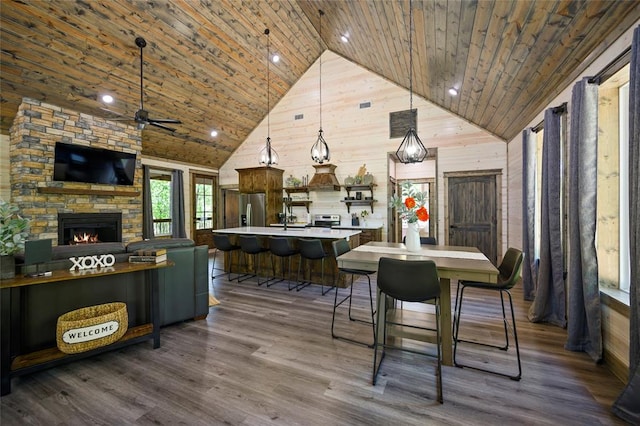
column 165, row 120
column 162, row 126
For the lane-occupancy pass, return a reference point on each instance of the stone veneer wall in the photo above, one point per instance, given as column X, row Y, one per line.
column 36, row 129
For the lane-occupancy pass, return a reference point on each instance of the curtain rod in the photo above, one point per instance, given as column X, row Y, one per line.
column 556, row 110
column 612, row 67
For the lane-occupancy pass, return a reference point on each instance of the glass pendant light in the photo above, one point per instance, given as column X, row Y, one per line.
column 320, row 149
column 411, row 150
column 268, row 155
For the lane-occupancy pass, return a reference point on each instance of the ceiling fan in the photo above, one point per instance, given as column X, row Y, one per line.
column 141, row 116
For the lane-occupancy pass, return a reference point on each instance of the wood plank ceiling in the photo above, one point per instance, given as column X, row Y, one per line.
column 205, row 61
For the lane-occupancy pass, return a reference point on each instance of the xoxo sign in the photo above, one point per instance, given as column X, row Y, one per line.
column 91, row 262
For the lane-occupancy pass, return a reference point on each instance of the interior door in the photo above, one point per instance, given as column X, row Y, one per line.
column 203, row 209
column 472, row 212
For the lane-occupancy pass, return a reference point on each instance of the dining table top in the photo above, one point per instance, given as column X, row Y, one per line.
column 453, row 262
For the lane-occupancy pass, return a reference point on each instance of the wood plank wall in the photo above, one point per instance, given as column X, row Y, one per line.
column 355, row 135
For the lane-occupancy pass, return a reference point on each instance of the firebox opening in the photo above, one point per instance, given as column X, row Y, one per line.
column 86, row 228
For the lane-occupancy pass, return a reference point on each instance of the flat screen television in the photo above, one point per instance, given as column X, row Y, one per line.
column 78, row 163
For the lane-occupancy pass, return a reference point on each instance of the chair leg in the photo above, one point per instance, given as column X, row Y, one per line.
column 439, row 346
column 504, row 348
column 349, row 297
column 381, row 320
column 322, row 279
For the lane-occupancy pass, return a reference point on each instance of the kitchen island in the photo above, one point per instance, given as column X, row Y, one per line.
column 326, row 235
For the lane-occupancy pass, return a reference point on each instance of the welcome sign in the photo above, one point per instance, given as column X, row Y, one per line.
column 86, row 334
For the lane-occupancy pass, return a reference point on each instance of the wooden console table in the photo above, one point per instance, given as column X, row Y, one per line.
column 14, row 359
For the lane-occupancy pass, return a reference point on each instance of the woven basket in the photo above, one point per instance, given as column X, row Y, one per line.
column 91, row 327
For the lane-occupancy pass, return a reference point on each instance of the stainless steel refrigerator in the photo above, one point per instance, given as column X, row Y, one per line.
column 252, row 209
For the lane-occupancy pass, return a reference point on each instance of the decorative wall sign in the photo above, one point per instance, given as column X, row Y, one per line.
column 401, row 121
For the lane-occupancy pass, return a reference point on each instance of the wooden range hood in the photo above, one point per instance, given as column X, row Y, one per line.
column 324, row 179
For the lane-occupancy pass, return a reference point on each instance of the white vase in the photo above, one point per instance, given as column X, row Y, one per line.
column 413, row 237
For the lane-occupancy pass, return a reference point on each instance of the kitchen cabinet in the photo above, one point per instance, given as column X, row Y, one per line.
column 366, row 234
column 367, row 196
column 267, row 180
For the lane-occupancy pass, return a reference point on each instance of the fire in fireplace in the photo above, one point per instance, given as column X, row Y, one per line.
column 83, row 228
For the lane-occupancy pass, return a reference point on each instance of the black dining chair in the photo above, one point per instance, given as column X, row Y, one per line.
column 341, row 247
column 282, row 248
column 431, row 241
column 407, row 281
column 223, row 243
column 508, row 276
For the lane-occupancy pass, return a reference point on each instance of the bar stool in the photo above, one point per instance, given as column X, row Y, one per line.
column 342, row 247
column 283, row 249
column 250, row 245
column 223, row 243
column 509, row 274
column 311, row 249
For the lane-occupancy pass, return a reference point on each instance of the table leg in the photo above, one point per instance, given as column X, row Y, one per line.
column 445, row 318
column 5, row 332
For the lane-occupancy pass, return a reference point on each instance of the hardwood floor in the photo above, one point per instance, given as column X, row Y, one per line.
column 266, row 356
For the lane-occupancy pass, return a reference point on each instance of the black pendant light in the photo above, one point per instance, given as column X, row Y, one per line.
column 320, row 149
column 411, row 149
column 268, row 155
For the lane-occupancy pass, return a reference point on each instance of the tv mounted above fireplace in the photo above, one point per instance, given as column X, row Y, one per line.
column 78, row 163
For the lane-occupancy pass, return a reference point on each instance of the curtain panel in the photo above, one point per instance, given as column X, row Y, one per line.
column 549, row 303
column 147, row 206
column 178, row 229
column 627, row 406
column 584, row 318
column 529, row 266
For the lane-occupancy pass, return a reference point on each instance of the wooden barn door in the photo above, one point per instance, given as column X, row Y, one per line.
column 472, row 216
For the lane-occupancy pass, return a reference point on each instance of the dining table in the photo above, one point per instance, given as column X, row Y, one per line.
column 452, row 262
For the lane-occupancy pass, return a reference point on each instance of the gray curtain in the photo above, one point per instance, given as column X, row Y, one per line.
column 147, row 207
column 549, row 302
column 584, row 319
column 530, row 264
column 177, row 205
column 628, row 404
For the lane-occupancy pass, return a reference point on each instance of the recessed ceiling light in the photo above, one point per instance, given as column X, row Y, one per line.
column 453, row 91
column 344, row 38
column 214, row 133
column 107, row 99
column 275, row 59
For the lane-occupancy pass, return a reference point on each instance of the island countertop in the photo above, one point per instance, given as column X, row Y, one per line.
column 313, row 232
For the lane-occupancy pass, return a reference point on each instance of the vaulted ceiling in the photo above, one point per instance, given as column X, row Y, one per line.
column 205, row 61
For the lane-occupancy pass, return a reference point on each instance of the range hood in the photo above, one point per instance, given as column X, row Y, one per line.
column 324, row 179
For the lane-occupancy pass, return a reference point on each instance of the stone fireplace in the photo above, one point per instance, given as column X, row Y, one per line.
column 48, row 203
column 98, row 227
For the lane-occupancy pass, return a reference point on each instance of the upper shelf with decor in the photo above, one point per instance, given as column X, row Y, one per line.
column 359, row 199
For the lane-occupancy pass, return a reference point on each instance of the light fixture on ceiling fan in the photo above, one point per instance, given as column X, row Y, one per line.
column 411, row 150
column 268, row 155
column 320, row 149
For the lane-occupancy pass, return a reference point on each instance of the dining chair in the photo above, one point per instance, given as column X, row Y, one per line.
column 431, row 241
column 508, row 276
column 223, row 243
column 407, row 281
column 341, row 247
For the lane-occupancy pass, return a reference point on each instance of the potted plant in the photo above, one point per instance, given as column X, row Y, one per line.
column 13, row 234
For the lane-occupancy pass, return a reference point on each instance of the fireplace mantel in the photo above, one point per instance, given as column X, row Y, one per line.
column 87, row 191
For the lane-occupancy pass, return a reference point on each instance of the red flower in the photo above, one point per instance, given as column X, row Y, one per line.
column 422, row 214
column 410, row 202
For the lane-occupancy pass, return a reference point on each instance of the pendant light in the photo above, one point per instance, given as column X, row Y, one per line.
column 268, row 155
column 411, row 150
column 320, row 149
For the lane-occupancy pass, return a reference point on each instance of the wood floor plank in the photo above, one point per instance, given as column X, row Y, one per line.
column 265, row 356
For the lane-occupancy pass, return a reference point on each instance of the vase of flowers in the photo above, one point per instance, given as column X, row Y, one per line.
column 410, row 206
column 13, row 234
column 364, row 214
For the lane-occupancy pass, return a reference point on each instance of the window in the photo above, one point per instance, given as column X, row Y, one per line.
column 612, row 238
column 203, row 202
column 160, row 182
